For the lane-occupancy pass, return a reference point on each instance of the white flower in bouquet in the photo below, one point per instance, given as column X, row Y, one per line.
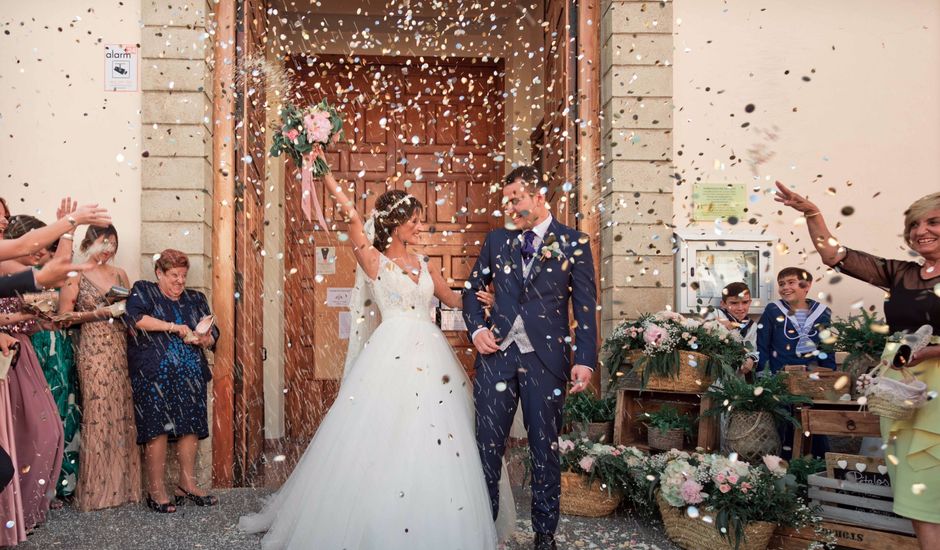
column 690, row 324
column 725, row 470
column 599, row 449
column 668, row 315
column 776, row 465
column 675, row 475
column 565, row 445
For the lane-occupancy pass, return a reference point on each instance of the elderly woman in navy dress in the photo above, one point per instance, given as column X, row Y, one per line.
column 169, row 374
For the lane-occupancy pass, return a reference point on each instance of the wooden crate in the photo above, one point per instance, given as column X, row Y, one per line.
column 859, row 504
column 843, row 535
column 817, row 384
column 834, row 418
column 632, row 403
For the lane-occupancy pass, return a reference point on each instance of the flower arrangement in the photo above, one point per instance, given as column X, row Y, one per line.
column 297, row 135
column 730, row 494
column 301, row 129
column 608, row 463
column 663, row 336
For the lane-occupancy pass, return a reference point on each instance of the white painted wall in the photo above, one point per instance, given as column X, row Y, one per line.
column 60, row 132
column 866, row 124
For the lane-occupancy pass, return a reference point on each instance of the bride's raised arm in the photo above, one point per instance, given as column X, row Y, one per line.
column 366, row 254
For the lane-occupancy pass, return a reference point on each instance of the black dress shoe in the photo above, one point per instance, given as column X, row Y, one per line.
column 545, row 541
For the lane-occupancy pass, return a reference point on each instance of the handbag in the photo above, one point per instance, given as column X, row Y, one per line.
column 898, row 399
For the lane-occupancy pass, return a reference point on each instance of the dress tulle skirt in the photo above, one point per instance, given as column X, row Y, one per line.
column 394, row 464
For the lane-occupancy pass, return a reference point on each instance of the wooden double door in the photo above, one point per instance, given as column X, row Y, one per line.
column 433, row 128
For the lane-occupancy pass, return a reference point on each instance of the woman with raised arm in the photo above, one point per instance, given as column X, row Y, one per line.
column 913, row 301
column 394, row 464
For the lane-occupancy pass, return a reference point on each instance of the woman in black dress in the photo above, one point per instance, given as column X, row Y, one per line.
column 913, row 290
column 169, row 376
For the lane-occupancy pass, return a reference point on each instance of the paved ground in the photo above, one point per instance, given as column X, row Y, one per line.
column 136, row 527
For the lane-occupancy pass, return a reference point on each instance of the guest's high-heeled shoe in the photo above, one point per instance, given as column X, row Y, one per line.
column 165, row 508
column 208, row 500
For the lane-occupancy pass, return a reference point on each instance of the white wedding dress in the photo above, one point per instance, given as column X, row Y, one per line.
column 394, row 464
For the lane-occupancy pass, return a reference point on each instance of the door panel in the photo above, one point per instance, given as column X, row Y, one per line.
column 249, row 238
column 407, row 130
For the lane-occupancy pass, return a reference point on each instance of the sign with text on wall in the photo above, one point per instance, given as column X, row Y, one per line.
column 711, row 201
column 121, row 64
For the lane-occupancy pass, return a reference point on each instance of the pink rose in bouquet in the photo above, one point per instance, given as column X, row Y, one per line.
column 724, row 487
column 654, row 334
column 565, row 445
column 292, row 134
column 318, row 126
column 692, row 492
column 586, row 463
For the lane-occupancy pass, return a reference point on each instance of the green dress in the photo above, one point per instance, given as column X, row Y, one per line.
column 55, row 353
column 913, row 451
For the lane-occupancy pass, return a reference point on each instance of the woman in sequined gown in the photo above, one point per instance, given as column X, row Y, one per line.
column 109, row 462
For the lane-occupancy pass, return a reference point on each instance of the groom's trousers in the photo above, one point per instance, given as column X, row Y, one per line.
column 503, row 379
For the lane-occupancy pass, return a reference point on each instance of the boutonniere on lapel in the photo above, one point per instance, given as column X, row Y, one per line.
column 551, row 249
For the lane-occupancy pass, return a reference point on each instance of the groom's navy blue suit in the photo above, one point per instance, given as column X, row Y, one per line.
column 538, row 378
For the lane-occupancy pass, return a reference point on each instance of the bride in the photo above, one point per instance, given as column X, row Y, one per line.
column 394, row 464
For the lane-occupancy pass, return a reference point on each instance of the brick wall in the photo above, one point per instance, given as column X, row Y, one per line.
column 636, row 100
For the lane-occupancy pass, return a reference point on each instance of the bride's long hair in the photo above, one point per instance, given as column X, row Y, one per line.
column 392, row 208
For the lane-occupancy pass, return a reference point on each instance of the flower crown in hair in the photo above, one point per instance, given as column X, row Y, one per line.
column 383, row 213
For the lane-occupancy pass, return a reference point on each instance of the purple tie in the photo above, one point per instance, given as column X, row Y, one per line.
column 528, row 249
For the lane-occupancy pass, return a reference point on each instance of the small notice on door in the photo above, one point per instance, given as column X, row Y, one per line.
column 120, row 67
column 338, row 297
column 326, row 260
column 452, row 319
column 344, row 324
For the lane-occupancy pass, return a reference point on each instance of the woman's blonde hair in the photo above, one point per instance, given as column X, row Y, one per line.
column 920, row 208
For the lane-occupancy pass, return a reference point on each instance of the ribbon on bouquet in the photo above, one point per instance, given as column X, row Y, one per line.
column 309, row 202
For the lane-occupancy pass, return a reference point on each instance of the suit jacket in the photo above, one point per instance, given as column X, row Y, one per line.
column 542, row 298
column 18, row 283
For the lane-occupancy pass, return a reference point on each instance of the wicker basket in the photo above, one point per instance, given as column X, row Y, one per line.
column 601, row 431
column 691, row 377
column 578, row 498
column 665, row 441
column 694, row 534
column 752, row 435
column 888, row 408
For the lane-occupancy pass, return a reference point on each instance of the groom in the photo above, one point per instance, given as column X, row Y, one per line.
column 537, row 270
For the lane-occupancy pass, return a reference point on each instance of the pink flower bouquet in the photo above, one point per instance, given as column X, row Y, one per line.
column 300, row 130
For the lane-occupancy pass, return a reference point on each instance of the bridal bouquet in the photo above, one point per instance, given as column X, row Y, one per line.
column 300, row 130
